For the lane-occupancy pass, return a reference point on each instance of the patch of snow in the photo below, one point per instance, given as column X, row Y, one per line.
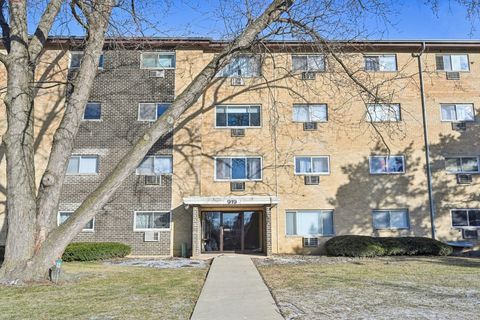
column 170, row 263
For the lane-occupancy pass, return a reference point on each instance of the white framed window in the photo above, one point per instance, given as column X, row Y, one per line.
column 383, row 112
column 465, row 218
column 453, row 112
column 238, row 168
column 157, row 60
column 64, row 215
column 82, row 164
column 312, row 165
column 234, row 116
column 151, row 111
column 452, row 62
column 308, row 63
column 76, row 60
column 390, row 219
column 242, row 66
column 462, row 164
column 155, row 166
column 151, row 220
column 383, row 62
column 387, row 164
column 310, row 113
column 309, row 223
column 92, row 111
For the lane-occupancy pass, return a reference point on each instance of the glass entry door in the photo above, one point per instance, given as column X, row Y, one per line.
column 231, row 231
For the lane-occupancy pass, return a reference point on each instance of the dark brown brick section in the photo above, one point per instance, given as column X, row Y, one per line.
column 120, row 87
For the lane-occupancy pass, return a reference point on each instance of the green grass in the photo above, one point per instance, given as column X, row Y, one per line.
column 97, row 291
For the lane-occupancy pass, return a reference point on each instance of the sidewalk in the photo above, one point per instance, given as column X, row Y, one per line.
column 234, row 290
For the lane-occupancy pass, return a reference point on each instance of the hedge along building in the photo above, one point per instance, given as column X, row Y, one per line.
column 280, row 153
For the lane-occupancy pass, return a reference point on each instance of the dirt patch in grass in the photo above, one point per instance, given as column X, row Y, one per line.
column 100, row 291
column 382, row 288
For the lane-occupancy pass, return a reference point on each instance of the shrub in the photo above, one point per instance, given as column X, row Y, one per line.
column 90, row 251
column 364, row 246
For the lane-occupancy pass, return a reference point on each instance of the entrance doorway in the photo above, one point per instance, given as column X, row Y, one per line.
column 233, row 231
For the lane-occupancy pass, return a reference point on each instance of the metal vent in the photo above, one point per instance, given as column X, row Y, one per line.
column 310, row 242
column 153, row 180
column 238, row 82
column 309, row 126
column 464, row 178
column 237, row 132
column 470, row 233
column 156, row 74
column 237, row 186
column 453, row 75
column 151, row 236
column 312, row 180
column 459, row 126
column 308, row 75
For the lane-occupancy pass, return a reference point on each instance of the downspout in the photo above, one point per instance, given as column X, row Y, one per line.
column 425, row 137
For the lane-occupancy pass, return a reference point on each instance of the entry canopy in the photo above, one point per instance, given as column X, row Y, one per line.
column 231, row 201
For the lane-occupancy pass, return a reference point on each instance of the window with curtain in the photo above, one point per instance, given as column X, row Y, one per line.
column 465, row 218
column 151, row 111
column 64, row 215
column 385, row 112
column 238, row 168
column 390, row 219
column 237, row 116
column 242, row 66
column 457, row 112
column 308, row 63
column 92, row 111
column 387, row 164
column 157, row 60
column 380, row 62
column 310, row 113
column 462, row 165
column 155, row 166
column 309, row 223
column 152, row 220
column 79, row 164
column 312, row 165
column 452, row 62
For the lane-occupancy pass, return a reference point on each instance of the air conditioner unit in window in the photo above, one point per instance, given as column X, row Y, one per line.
column 156, row 74
column 237, row 132
column 310, row 242
column 308, row 75
column 151, row 236
column 470, row 233
column 463, row 178
column 309, row 126
column 453, row 75
column 238, row 82
column 237, row 186
column 153, row 180
column 459, row 126
column 311, row 180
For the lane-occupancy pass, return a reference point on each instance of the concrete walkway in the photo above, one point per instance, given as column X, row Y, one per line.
column 234, row 290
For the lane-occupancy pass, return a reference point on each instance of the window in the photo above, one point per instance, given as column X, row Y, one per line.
column 457, row 112
column 381, row 62
column 93, row 111
column 390, row 219
column 309, row 223
column 383, row 112
column 157, row 60
column 245, row 66
column 238, row 168
column 151, row 111
column 461, row 165
column 151, row 220
column 308, row 63
column 387, row 164
column 82, row 165
column 76, row 60
column 64, row 215
column 155, row 165
column 312, row 165
column 465, row 218
column 237, row 116
column 310, row 112
column 452, row 62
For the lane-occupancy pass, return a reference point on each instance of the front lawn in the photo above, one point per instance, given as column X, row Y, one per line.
column 99, row 291
column 382, row 288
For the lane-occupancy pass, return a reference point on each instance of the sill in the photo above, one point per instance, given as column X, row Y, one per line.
column 87, row 231
column 457, row 121
column 239, row 180
column 387, row 173
column 81, row 174
column 153, row 230
column 245, row 127
column 92, row 120
column 381, row 71
column 310, row 236
column 391, row 229
column 311, row 174
column 164, row 68
column 442, row 71
column 455, row 173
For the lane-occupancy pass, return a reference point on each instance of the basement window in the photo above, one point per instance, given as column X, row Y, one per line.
column 309, row 223
column 64, row 215
column 390, row 219
column 82, row 164
column 465, row 218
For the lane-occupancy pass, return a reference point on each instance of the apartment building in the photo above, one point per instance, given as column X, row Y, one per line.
column 285, row 149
